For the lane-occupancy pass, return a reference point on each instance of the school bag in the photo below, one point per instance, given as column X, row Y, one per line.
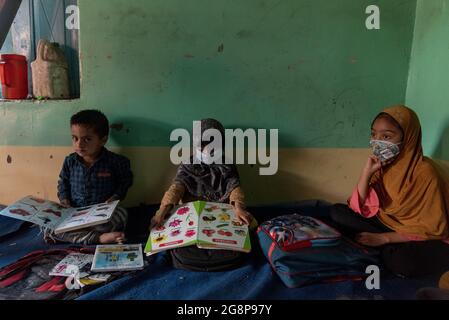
column 303, row 250
column 28, row 278
column 206, row 260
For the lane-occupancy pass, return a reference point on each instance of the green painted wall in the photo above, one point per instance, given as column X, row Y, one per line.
column 307, row 67
column 428, row 83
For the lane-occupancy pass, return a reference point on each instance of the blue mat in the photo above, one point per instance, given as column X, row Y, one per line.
column 253, row 281
column 9, row 226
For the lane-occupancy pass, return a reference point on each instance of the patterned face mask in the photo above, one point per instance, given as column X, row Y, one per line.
column 385, row 150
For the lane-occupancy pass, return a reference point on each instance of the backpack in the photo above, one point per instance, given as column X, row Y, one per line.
column 193, row 258
column 28, row 278
column 303, row 250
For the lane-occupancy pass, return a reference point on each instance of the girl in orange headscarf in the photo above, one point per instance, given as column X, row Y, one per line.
column 401, row 202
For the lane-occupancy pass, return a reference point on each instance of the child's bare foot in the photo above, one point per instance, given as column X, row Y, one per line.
column 112, row 237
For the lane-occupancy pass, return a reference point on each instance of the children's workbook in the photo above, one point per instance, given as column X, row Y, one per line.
column 109, row 258
column 205, row 224
column 79, row 261
column 52, row 215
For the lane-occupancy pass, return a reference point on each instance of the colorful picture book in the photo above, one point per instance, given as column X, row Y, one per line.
column 73, row 262
column 204, row 224
column 109, row 258
column 52, row 215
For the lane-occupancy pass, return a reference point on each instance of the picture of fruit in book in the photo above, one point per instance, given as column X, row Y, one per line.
column 224, row 217
column 209, row 218
column 241, row 233
column 190, row 233
column 209, row 232
column 225, row 233
column 175, row 233
column 20, row 212
column 189, row 220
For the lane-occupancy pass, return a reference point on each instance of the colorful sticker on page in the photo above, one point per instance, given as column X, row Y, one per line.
column 218, row 228
column 176, row 231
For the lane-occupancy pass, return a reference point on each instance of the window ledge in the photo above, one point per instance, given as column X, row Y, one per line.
column 35, row 101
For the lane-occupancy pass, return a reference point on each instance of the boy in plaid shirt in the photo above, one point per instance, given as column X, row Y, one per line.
column 94, row 175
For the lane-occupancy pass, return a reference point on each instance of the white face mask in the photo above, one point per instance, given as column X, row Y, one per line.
column 205, row 156
column 385, row 150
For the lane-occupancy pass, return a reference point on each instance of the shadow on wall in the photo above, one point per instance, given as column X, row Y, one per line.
column 152, row 168
column 442, row 150
column 302, row 173
column 283, row 187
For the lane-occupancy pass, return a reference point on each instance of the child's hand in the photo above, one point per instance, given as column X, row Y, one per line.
column 243, row 216
column 372, row 239
column 159, row 217
column 66, row 203
column 372, row 165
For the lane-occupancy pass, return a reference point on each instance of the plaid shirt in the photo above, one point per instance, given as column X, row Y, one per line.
column 109, row 176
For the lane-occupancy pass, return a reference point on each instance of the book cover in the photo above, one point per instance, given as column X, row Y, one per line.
column 110, row 258
column 52, row 215
column 205, row 224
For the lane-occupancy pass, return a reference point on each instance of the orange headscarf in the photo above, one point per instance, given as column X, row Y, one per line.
column 413, row 190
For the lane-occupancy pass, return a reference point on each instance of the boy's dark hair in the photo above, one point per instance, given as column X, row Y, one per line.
column 92, row 119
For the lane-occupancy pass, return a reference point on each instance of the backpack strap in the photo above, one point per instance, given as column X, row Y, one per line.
column 270, row 255
column 21, row 264
column 13, row 279
column 31, row 258
column 54, row 285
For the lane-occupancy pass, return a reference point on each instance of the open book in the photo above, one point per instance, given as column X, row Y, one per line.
column 205, row 224
column 52, row 215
